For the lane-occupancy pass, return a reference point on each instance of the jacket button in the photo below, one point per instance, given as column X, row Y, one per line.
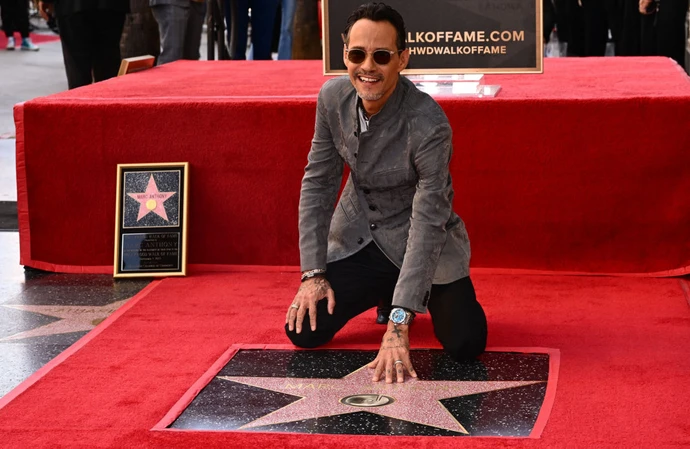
column 372, row 207
column 360, row 240
column 355, row 155
column 373, row 226
column 366, row 191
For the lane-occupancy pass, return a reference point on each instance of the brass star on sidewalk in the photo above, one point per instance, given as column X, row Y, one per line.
column 414, row 400
column 72, row 319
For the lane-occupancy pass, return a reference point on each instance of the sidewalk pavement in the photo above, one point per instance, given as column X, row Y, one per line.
column 25, row 75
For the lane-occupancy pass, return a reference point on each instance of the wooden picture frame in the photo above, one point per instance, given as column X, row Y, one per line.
column 136, row 64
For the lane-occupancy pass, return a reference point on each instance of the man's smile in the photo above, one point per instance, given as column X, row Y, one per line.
column 369, row 79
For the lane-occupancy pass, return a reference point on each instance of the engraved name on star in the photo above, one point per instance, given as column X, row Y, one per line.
column 151, row 200
column 414, row 400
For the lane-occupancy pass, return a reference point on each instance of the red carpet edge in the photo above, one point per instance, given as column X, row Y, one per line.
column 205, row 268
column 64, row 355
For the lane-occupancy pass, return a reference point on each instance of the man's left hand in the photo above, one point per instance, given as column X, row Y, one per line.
column 393, row 359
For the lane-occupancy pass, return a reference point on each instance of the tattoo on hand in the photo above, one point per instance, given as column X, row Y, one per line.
column 396, row 331
column 317, row 285
column 396, row 346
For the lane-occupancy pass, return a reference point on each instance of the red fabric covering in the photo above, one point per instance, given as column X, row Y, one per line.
column 581, row 169
column 622, row 382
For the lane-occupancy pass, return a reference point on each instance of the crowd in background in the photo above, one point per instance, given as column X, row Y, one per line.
column 15, row 19
column 636, row 27
column 95, row 35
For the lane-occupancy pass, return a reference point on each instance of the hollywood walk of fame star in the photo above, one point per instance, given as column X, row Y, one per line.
column 72, row 319
column 414, row 400
column 151, row 200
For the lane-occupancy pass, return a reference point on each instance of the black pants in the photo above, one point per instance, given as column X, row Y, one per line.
column 361, row 280
column 91, row 45
column 15, row 17
column 588, row 28
column 670, row 29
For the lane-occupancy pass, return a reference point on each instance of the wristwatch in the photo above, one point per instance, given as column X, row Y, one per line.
column 401, row 316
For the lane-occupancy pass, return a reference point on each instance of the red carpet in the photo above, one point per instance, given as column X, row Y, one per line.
column 581, row 169
column 623, row 379
column 36, row 38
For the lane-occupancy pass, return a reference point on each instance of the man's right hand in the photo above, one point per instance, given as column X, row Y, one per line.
column 310, row 292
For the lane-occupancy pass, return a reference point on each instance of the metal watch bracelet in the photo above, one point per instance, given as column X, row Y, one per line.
column 312, row 273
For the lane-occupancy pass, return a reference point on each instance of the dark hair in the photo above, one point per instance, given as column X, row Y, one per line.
column 378, row 12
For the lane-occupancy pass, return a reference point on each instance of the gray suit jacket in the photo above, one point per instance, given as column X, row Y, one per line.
column 399, row 193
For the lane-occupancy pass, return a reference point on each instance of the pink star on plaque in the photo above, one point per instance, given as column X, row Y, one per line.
column 151, row 201
column 414, row 400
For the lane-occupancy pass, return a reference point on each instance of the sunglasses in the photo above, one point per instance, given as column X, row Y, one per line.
column 381, row 57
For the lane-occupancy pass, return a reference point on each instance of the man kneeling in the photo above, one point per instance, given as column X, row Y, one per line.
column 393, row 234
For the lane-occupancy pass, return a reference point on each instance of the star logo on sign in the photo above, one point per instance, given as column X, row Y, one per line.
column 151, row 200
column 414, row 400
column 72, row 319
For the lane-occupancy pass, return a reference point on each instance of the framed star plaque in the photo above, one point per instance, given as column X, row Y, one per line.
column 151, row 220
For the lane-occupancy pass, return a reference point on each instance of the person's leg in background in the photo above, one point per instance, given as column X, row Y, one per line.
column 549, row 19
column 108, row 26
column 614, row 18
column 242, row 24
column 21, row 23
column 596, row 27
column 562, row 30
column 195, row 23
column 275, row 35
column 629, row 40
column 670, row 24
column 576, row 28
column 263, row 17
column 7, row 15
column 459, row 320
column 287, row 26
column 172, row 27
column 648, row 32
column 77, row 48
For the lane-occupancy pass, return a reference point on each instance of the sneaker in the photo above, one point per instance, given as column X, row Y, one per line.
column 27, row 45
column 10, row 43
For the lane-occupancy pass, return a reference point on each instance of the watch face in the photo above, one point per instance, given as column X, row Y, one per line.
column 398, row 316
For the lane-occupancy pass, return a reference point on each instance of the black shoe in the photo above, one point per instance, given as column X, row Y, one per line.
column 382, row 314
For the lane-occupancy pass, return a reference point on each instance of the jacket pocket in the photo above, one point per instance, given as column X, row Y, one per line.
column 350, row 207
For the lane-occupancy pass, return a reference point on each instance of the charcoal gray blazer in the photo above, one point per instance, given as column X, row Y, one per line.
column 399, row 193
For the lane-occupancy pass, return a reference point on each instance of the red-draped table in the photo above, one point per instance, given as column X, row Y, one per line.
column 583, row 169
